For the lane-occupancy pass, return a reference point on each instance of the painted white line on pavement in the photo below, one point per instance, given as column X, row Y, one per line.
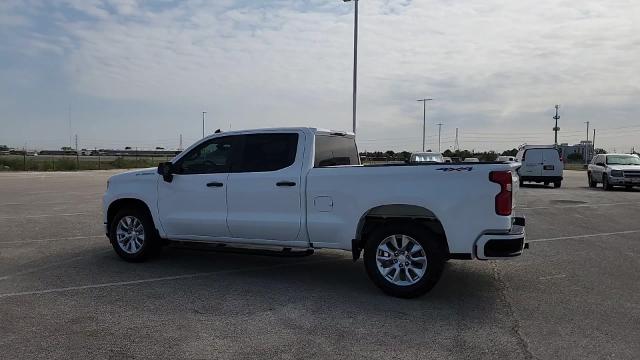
column 586, row 236
column 53, row 239
column 577, row 205
column 32, row 270
column 44, row 215
column 164, row 278
column 552, row 277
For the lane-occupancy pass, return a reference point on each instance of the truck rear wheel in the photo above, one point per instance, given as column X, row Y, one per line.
column 133, row 235
column 403, row 259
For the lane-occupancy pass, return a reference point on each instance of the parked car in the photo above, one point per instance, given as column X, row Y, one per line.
column 540, row 164
column 446, row 159
column 426, row 157
column 614, row 170
column 471, row 159
column 507, row 158
column 304, row 189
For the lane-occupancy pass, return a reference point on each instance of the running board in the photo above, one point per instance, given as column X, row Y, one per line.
column 224, row 248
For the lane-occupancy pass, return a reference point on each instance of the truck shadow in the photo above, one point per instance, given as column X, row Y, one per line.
column 327, row 276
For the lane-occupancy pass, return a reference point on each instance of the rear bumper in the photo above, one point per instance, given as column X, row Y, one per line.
column 502, row 245
column 541, row 178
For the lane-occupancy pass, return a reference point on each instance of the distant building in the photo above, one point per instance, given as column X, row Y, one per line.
column 582, row 148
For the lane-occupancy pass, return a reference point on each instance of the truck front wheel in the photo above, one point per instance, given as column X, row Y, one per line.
column 403, row 259
column 133, row 235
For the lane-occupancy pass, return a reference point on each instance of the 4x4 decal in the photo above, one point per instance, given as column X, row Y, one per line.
column 467, row 168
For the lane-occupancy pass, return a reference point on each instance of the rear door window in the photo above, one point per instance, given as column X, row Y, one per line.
column 267, row 152
column 333, row 150
column 551, row 155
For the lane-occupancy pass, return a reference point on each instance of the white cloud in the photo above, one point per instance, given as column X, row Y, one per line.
column 491, row 66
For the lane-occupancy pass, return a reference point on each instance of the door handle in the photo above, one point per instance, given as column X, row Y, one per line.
column 215, row 184
column 285, row 183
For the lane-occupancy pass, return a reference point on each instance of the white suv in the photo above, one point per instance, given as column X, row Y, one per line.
column 614, row 170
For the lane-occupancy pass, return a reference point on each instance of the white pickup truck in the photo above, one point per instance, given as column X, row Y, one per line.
column 304, row 188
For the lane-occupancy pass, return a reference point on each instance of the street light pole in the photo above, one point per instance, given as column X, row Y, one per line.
column 355, row 60
column 424, row 119
column 586, row 145
column 439, row 132
column 204, row 112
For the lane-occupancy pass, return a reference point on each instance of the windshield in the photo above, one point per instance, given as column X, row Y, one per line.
column 427, row 158
column 623, row 160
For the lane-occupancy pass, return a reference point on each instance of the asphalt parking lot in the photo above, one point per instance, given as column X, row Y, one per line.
column 64, row 293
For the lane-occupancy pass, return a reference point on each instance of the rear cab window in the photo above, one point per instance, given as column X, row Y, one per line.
column 334, row 150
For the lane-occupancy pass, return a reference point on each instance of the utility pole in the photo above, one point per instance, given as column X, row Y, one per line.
column 180, row 146
column 69, row 118
column 586, row 145
column 424, row 119
column 439, row 133
column 556, row 128
column 77, row 154
column 457, row 143
column 355, row 60
column 593, row 142
column 204, row 112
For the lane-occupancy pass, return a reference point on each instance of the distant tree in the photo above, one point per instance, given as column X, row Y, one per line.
column 512, row 152
column 405, row 155
column 601, row 151
column 159, row 148
column 4, row 148
column 66, row 148
column 127, row 148
column 389, row 153
column 448, row 153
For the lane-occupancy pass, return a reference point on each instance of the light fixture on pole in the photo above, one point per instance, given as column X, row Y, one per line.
column 355, row 60
column 424, row 119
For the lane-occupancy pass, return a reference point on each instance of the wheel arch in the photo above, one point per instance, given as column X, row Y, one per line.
column 384, row 214
column 123, row 203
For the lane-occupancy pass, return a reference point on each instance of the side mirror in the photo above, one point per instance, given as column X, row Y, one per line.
column 167, row 170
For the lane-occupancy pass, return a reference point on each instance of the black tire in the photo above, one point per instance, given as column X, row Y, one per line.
column 605, row 183
column 629, row 187
column 151, row 244
column 521, row 182
column 426, row 239
column 557, row 184
column 592, row 183
column 546, row 183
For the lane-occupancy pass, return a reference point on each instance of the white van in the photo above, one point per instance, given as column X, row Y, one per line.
column 540, row 164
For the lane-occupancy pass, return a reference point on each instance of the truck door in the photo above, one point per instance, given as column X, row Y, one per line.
column 533, row 162
column 194, row 204
column 265, row 191
column 551, row 165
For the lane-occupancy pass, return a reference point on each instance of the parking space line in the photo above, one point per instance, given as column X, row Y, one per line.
column 53, row 239
column 552, row 277
column 574, row 206
column 41, row 216
column 164, row 278
column 32, row 270
column 586, row 236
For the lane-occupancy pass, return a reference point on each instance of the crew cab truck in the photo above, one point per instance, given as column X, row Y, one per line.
column 304, row 188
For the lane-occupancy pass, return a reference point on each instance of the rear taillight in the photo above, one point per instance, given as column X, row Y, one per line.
column 504, row 197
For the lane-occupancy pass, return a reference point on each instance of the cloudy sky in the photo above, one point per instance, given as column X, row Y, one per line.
column 140, row 72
